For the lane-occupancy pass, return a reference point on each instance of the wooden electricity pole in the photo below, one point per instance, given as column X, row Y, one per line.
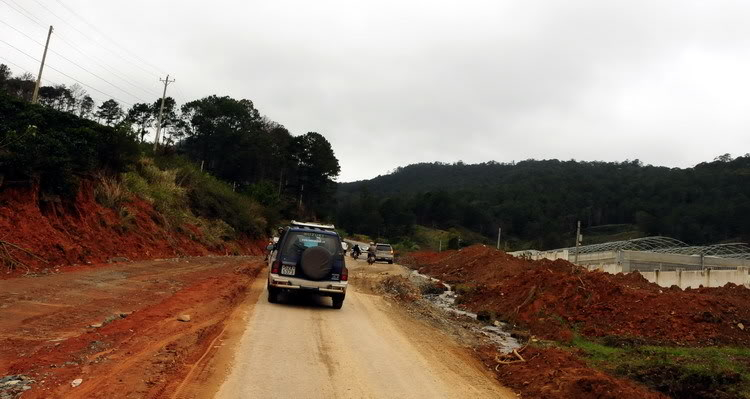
column 161, row 111
column 578, row 241
column 35, row 97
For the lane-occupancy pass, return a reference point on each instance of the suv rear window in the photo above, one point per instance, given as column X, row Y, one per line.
column 383, row 247
column 298, row 241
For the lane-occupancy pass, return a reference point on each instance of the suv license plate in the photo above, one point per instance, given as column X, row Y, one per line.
column 288, row 270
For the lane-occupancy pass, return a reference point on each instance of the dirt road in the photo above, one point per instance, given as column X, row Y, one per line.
column 113, row 331
column 368, row 349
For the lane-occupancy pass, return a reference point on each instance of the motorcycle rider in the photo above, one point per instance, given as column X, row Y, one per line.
column 356, row 251
column 371, row 252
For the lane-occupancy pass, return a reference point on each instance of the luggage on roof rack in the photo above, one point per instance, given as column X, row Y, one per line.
column 329, row 227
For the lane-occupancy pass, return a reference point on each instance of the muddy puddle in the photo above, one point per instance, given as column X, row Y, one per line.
column 498, row 332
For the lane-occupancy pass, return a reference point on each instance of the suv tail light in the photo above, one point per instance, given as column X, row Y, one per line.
column 276, row 267
column 344, row 274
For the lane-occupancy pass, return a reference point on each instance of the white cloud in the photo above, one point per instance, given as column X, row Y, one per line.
column 396, row 82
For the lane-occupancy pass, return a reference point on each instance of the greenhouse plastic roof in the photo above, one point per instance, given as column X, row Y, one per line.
column 733, row 250
column 668, row 245
column 638, row 244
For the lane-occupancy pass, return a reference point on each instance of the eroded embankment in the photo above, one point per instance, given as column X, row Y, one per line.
column 81, row 231
column 688, row 344
column 118, row 329
column 554, row 299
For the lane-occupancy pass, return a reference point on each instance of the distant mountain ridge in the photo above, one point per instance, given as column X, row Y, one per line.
column 429, row 176
column 542, row 199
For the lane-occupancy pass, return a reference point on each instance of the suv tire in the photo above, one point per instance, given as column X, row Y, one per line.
column 338, row 301
column 273, row 295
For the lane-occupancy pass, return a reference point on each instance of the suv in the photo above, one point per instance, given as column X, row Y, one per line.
column 384, row 252
column 308, row 257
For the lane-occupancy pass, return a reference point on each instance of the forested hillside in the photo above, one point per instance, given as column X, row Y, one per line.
column 82, row 185
column 537, row 202
column 226, row 137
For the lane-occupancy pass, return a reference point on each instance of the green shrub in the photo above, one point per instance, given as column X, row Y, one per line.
column 136, row 184
column 212, row 198
column 57, row 148
column 215, row 231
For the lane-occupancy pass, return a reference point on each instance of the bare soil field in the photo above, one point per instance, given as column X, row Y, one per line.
column 115, row 327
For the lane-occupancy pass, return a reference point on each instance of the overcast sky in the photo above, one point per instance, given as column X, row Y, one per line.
column 391, row 83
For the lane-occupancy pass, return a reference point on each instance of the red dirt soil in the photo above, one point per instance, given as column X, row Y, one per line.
column 45, row 333
column 554, row 298
column 81, row 231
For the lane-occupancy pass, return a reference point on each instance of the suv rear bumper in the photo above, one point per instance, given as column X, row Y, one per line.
column 387, row 257
column 292, row 283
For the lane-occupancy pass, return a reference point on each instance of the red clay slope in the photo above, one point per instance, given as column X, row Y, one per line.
column 82, row 231
column 554, row 298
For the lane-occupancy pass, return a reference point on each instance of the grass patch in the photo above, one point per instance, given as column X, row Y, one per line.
column 711, row 372
column 111, row 193
column 435, row 239
column 161, row 189
column 212, row 198
column 183, row 194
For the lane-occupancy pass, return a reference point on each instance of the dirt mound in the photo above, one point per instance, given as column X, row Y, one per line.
column 554, row 373
column 554, row 298
column 81, row 231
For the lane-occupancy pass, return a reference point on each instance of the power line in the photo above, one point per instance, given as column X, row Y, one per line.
column 107, row 37
column 96, row 42
column 111, row 70
column 30, row 16
column 34, row 20
column 65, row 74
column 15, row 29
column 26, row 70
column 73, row 62
column 182, row 96
column 25, row 13
column 76, row 64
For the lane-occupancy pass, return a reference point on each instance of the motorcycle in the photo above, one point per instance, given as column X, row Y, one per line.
column 370, row 259
column 355, row 255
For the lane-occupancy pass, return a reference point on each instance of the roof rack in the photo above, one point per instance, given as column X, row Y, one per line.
column 329, row 227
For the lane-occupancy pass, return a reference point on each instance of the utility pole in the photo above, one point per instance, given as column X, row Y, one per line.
column 35, row 97
column 302, row 189
column 161, row 110
column 578, row 241
column 499, row 233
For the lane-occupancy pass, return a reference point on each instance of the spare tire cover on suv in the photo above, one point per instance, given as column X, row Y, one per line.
column 316, row 262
